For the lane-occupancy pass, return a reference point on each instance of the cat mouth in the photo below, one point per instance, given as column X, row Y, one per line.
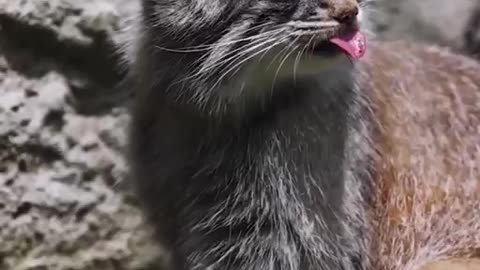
column 352, row 43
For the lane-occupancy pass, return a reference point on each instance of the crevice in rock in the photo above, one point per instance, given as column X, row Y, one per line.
column 97, row 61
column 472, row 33
column 93, row 71
column 23, row 209
column 36, row 152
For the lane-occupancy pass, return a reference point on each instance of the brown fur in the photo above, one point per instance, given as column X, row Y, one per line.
column 426, row 103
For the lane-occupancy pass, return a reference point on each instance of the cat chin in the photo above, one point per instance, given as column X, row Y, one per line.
column 265, row 73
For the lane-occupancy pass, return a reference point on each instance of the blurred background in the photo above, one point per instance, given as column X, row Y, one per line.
column 64, row 196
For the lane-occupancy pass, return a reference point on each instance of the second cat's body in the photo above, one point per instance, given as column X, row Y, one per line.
column 425, row 200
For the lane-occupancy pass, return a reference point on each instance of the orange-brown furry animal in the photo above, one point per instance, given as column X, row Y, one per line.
column 426, row 205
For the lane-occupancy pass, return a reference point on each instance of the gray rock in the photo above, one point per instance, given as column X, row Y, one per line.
column 63, row 197
column 443, row 22
column 77, row 21
column 61, row 200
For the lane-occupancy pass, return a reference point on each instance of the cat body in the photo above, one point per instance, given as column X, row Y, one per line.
column 240, row 166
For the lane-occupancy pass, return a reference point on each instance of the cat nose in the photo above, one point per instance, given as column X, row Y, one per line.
column 344, row 11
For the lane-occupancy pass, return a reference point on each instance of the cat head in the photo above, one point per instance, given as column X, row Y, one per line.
column 223, row 37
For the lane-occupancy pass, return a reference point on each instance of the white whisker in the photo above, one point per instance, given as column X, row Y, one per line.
column 203, row 72
column 297, row 61
column 243, row 61
column 206, row 47
column 283, row 61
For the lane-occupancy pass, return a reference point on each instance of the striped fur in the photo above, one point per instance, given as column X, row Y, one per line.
column 358, row 167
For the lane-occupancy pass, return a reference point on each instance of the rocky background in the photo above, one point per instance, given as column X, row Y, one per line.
column 455, row 24
column 64, row 193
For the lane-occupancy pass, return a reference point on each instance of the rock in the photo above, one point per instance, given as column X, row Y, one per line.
column 473, row 33
column 64, row 201
column 61, row 200
column 79, row 38
column 445, row 22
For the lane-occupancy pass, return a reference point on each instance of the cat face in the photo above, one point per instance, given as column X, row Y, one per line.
column 182, row 17
column 208, row 11
column 226, row 35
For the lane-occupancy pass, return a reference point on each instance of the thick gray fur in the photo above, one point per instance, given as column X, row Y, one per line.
column 238, row 176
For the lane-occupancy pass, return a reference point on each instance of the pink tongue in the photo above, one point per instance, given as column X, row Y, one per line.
column 354, row 44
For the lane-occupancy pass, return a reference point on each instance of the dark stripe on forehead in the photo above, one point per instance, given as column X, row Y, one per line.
column 278, row 8
column 259, row 12
column 249, row 32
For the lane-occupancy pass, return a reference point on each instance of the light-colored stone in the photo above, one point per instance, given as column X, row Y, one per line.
column 63, row 202
column 443, row 22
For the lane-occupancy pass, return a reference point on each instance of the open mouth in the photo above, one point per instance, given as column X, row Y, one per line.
column 352, row 43
column 317, row 54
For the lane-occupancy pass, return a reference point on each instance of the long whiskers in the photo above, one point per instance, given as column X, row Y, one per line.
column 244, row 50
column 262, row 38
column 283, row 61
column 237, row 66
column 204, row 71
column 207, row 47
column 221, row 61
column 297, row 59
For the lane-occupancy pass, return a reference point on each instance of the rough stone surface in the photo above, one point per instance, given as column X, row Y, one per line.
column 63, row 197
column 450, row 23
column 64, row 200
